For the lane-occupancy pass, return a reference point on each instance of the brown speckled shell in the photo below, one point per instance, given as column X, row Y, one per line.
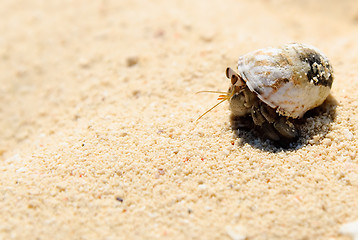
column 291, row 79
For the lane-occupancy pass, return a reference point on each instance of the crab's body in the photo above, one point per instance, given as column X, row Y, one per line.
column 275, row 85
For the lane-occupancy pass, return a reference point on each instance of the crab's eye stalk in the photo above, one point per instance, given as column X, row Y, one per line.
column 231, row 74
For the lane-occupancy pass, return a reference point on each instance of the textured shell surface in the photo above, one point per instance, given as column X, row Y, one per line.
column 292, row 79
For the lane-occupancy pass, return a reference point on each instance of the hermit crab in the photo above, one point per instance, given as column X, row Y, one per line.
column 275, row 86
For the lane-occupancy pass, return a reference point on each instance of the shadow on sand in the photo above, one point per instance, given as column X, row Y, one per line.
column 316, row 122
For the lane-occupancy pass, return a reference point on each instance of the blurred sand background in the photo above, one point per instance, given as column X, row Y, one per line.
column 98, row 133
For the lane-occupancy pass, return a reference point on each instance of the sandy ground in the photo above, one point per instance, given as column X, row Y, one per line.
column 98, row 132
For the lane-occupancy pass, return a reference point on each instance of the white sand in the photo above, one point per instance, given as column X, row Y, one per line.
column 92, row 148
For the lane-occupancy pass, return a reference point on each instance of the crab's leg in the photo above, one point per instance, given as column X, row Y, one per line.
column 269, row 113
column 286, row 128
column 257, row 116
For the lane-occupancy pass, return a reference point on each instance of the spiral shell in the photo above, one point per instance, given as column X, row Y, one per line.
column 292, row 79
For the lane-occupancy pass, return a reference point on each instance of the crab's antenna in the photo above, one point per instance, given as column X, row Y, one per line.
column 211, row 108
column 211, row 92
column 225, row 96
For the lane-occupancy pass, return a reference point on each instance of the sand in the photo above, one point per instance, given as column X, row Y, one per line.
column 98, row 131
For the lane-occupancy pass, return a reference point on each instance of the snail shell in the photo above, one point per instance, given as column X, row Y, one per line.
column 292, row 79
